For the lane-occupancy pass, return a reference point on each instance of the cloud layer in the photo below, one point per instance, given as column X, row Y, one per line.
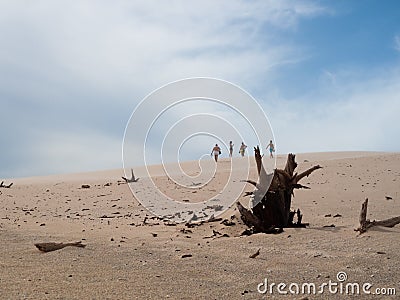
column 71, row 73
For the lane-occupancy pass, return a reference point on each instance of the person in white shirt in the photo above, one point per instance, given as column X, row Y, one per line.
column 216, row 151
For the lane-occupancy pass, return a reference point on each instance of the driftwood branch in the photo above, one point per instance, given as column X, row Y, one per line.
column 365, row 224
column 300, row 186
column 252, row 182
column 258, row 157
column 47, row 247
column 2, row 185
column 249, row 218
column 264, row 178
column 298, row 177
column 132, row 179
column 388, row 222
column 291, row 164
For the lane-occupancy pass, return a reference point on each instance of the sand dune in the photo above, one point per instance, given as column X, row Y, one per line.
column 131, row 254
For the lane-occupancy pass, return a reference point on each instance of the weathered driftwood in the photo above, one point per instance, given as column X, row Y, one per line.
column 47, row 247
column 132, row 179
column 2, row 185
column 191, row 223
column 254, row 255
column 365, row 224
column 271, row 211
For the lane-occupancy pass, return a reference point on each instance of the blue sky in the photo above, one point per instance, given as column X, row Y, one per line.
column 327, row 73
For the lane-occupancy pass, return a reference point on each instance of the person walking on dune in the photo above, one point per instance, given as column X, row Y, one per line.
column 271, row 149
column 216, row 151
column 230, row 148
column 242, row 149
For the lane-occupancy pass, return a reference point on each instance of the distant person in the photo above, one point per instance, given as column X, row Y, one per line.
column 242, row 149
column 271, row 149
column 216, row 151
column 230, row 148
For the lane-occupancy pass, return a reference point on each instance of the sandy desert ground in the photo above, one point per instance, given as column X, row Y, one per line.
column 131, row 254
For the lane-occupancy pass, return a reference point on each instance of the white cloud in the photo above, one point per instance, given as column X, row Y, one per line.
column 117, row 44
column 65, row 151
column 329, row 76
column 79, row 67
column 397, row 42
column 352, row 115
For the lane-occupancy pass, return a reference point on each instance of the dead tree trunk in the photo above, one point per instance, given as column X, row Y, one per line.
column 365, row 224
column 272, row 197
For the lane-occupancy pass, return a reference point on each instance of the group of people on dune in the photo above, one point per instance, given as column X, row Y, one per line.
column 216, row 151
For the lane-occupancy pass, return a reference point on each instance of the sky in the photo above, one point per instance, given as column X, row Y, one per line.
column 326, row 73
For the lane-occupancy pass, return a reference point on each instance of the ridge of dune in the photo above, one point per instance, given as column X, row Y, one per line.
column 157, row 169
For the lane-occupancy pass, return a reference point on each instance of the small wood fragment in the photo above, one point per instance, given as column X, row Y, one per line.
column 254, row 255
column 132, row 179
column 2, row 185
column 47, row 247
column 329, row 226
